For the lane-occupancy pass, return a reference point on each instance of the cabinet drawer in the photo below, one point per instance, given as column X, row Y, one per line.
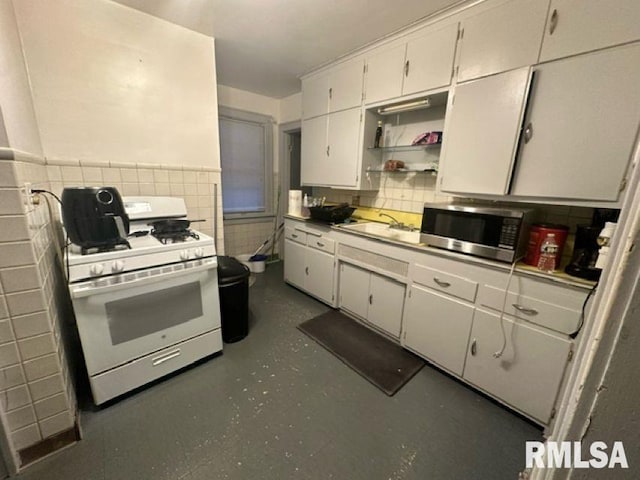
column 445, row 282
column 295, row 235
column 549, row 306
column 321, row 243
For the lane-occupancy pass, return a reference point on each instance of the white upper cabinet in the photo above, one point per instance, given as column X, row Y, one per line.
column 337, row 89
column 482, row 132
column 501, row 39
column 423, row 63
column 343, row 148
column 314, row 153
column 581, row 126
column 315, row 95
column 330, row 149
column 429, row 60
column 345, row 86
column 385, row 70
column 577, row 26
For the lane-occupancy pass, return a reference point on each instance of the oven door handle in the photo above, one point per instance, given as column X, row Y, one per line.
column 81, row 291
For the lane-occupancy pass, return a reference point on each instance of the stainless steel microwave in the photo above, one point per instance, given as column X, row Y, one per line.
column 489, row 232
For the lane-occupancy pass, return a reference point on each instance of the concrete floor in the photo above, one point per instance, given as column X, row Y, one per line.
column 277, row 406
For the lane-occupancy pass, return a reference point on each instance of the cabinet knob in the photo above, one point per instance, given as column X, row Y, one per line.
column 306, row 270
column 525, row 310
column 406, row 68
column 553, row 21
column 474, row 347
column 528, row 132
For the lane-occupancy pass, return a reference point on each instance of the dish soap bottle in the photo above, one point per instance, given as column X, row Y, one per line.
column 376, row 142
column 548, row 254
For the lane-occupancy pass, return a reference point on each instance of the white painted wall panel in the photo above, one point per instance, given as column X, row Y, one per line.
column 111, row 83
column 20, row 130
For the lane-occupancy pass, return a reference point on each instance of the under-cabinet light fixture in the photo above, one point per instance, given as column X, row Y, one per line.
column 405, row 107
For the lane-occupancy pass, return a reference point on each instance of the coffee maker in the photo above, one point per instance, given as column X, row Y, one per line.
column 94, row 217
column 586, row 247
column 585, row 253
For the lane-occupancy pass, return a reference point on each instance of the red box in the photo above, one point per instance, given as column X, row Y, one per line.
column 538, row 235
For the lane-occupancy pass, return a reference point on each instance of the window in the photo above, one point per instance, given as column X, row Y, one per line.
column 246, row 152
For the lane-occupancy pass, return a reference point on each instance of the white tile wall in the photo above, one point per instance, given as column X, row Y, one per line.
column 29, row 346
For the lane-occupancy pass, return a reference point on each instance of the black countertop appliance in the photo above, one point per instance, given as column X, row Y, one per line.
column 94, row 217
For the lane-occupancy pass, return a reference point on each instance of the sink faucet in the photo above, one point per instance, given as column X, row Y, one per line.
column 394, row 223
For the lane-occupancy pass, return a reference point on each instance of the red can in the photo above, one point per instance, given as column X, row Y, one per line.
column 538, row 234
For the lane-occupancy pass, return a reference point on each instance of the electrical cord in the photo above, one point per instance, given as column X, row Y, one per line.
column 499, row 353
column 59, row 250
column 582, row 313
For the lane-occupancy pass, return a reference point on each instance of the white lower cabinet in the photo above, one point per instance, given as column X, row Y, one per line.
column 437, row 327
column 307, row 266
column 372, row 297
column 528, row 374
column 319, row 274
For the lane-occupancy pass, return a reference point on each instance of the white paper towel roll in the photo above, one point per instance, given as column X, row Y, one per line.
column 295, row 202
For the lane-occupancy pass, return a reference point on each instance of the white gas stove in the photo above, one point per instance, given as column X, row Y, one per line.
column 147, row 310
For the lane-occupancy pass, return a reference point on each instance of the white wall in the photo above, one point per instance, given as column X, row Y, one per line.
column 291, row 108
column 113, row 84
column 248, row 101
column 19, row 131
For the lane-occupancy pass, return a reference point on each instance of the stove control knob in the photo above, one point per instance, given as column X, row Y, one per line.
column 96, row 269
column 117, row 266
column 199, row 252
column 184, row 255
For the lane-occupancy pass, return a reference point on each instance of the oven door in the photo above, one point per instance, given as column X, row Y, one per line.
column 125, row 317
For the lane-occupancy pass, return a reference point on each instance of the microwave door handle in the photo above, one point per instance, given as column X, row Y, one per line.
column 83, row 290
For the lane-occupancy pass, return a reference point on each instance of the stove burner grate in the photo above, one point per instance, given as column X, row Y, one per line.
column 171, row 237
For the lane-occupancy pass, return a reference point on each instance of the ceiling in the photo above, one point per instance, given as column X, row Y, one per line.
column 263, row 46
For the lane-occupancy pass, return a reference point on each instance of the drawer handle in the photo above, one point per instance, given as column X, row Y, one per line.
column 442, row 283
column 371, row 299
column 525, row 310
column 474, row 348
column 320, row 244
column 164, row 358
column 293, row 235
column 553, row 23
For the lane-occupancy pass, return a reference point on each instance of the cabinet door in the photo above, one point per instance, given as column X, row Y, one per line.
column 319, row 273
column 345, row 86
column 354, row 289
column 386, row 303
column 429, row 62
column 384, row 75
column 502, row 39
column 314, row 154
column 344, row 139
column 294, row 263
column 438, row 327
column 482, row 133
column 315, row 96
column 528, row 374
column 584, row 117
column 576, row 26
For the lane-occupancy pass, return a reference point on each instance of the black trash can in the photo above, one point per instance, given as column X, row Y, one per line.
column 233, row 284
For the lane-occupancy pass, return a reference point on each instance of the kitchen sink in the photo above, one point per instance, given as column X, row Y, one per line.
column 385, row 231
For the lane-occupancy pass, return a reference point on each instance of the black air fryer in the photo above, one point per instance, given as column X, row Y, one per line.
column 94, row 217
